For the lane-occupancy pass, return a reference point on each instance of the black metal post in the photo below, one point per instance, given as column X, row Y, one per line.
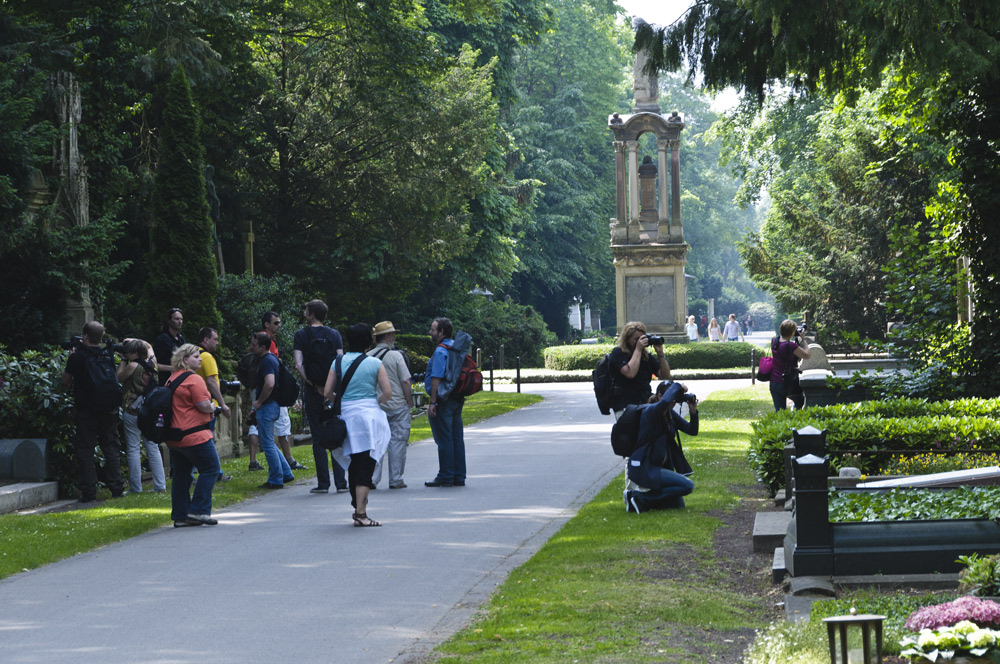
column 491, row 373
column 518, row 374
column 753, row 368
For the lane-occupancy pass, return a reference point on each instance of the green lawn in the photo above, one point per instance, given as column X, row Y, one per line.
column 604, row 588
column 31, row 541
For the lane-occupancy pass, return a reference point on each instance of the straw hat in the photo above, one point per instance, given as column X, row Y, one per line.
column 385, row 327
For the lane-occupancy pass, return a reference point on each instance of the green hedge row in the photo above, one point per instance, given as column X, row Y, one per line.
column 681, row 356
column 872, row 426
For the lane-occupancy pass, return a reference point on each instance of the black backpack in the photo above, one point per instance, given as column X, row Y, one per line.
column 603, row 384
column 286, row 388
column 155, row 415
column 318, row 357
column 246, row 370
column 625, row 432
column 106, row 392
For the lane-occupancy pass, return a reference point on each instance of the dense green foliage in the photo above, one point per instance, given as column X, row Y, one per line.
column 244, row 299
column 680, row 356
column 861, row 434
column 964, row 502
column 518, row 329
column 36, row 406
column 933, row 61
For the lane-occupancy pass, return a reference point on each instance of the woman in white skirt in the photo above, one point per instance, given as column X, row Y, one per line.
column 367, row 426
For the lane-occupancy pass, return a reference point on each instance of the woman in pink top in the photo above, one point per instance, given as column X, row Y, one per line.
column 785, row 354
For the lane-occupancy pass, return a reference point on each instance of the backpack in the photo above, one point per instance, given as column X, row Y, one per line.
column 625, row 432
column 463, row 377
column 101, row 371
column 155, row 414
column 286, row 388
column 246, row 370
column 603, row 384
column 318, row 357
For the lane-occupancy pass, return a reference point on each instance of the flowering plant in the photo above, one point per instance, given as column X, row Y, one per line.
column 961, row 628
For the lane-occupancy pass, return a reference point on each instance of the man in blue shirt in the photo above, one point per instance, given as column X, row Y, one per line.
column 445, row 414
column 278, row 470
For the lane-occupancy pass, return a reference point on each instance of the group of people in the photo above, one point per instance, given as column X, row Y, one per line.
column 375, row 406
column 733, row 331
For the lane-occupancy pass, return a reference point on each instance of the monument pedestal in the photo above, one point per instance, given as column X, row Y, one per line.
column 650, row 287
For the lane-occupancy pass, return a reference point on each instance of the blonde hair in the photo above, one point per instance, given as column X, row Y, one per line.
column 181, row 354
column 713, row 323
column 690, row 319
column 627, row 332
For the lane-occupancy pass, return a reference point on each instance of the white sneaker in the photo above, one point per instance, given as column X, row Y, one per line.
column 635, row 508
column 628, row 508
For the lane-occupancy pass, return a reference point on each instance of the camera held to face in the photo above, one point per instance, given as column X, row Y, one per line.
column 654, row 340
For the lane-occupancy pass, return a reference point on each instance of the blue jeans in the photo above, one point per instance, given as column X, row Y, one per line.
column 672, row 487
column 778, row 397
column 312, row 403
column 133, row 441
column 183, row 460
column 449, row 435
column 278, row 470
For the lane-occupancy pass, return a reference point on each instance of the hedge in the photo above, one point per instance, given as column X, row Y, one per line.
column 681, row 356
column 874, row 426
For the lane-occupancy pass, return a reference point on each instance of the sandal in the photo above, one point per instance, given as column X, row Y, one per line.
column 359, row 521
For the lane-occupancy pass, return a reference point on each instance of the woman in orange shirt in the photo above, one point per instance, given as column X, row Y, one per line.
column 193, row 447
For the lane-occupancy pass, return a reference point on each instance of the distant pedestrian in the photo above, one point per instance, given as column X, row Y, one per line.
column 732, row 331
column 367, row 427
column 170, row 340
column 136, row 370
column 397, row 409
column 192, row 411
column 714, row 331
column 692, row 329
column 445, row 411
column 92, row 374
column 315, row 348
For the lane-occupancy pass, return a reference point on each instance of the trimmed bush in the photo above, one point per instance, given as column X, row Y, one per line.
column 680, row 356
column 875, row 426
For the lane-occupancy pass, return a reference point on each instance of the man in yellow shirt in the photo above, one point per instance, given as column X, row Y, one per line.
column 208, row 342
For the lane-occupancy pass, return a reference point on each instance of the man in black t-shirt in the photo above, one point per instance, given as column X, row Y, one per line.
column 96, row 412
column 315, row 347
column 632, row 367
column 170, row 339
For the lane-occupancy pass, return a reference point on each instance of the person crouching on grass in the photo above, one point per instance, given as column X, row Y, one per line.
column 657, row 470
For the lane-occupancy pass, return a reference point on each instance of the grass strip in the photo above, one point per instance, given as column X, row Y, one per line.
column 34, row 540
column 614, row 587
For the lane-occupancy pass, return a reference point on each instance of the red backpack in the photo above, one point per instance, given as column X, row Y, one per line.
column 469, row 379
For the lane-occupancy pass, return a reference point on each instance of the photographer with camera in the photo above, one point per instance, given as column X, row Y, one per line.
column 208, row 343
column 785, row 355
column 657, row 470
column 136, row 370
column 91, row 373
column 632, row 366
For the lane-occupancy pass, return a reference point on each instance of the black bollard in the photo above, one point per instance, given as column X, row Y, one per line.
column 518, row 374
column 491, row 373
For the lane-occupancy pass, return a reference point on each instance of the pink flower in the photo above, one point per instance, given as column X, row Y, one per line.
column 983, row 612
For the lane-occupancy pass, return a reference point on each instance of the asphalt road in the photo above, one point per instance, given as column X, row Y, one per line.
column 286, row 577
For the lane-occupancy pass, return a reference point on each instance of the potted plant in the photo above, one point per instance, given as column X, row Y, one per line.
column 963, row 630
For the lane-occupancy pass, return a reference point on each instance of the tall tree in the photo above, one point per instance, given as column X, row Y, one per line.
column 182, row 270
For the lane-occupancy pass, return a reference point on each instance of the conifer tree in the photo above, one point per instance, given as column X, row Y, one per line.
column 181, row 263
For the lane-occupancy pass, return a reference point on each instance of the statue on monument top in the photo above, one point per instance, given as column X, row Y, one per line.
column 646, row 87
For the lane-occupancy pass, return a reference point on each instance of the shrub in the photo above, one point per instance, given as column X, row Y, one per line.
column 519, row 329
column 873, row 426
column 981, row 576
column 680, row 356
column 762, row 314
column 36, row 406
column 244, row 298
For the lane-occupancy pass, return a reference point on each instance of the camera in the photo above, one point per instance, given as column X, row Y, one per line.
column 687, row 398
column 230, row 386
column 801, row 329
column 654, row 340
column 74, row 343
column 116, row 348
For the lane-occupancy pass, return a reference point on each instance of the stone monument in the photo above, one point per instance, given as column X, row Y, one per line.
column 647, row 241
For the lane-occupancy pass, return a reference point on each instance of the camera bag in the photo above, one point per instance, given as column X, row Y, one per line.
column 332, row 429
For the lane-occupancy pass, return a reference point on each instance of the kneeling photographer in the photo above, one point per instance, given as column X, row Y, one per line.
column 657, row 470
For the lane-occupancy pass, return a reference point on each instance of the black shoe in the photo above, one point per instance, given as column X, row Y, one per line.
column 295, row 465
column 268, row 485
column 255, row 466
column 438, row 483
column 319, row 489
column 203, row 519
column 342, row 489
column 119, row 494
column 462, row 483
column 224, row 478
column 187, row 523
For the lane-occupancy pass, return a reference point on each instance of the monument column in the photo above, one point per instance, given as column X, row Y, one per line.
column 620, row 179
column 633, row 181
column 676, row 228
column 663, row 227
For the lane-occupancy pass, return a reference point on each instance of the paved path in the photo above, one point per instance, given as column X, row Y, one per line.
column 286, row 577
